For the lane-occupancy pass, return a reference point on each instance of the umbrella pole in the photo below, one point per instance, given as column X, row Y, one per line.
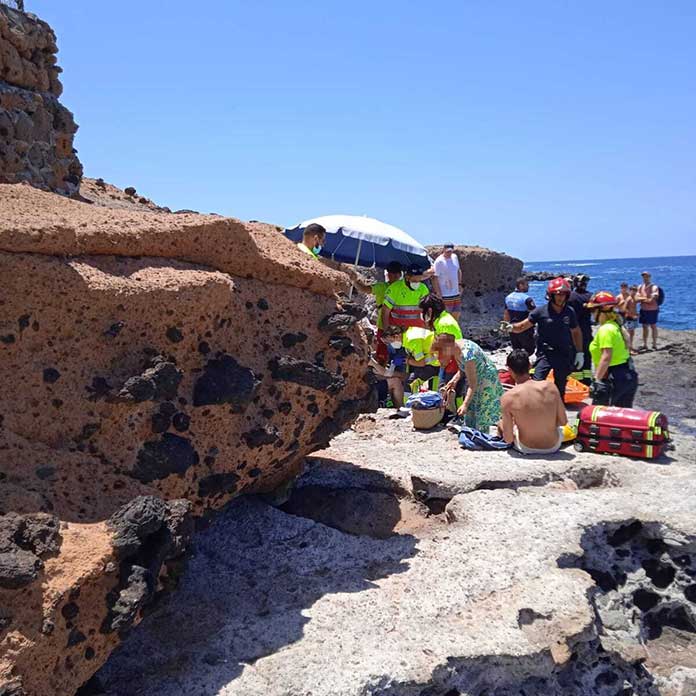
column 355, row 265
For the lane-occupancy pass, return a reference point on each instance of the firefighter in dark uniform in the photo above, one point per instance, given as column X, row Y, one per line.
column 559, row 339
column 578, row 301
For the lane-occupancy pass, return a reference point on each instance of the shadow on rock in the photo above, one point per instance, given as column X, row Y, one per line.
column 255, row 574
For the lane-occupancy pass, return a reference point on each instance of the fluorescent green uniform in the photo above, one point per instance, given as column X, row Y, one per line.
column 417, row 342
column 403, row 302
column 307, row 250
column 446, row 323
column 379, row 290
column 609, row 336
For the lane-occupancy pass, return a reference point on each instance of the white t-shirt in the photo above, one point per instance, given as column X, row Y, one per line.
column 447, row 272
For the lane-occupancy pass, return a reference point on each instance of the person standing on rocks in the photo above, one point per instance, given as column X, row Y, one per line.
column 401, row 301
column 533, row 412
column 627, row 308
column 577, row 300
column 447, row 281
column 558, row 335
column 518, row 305
column 615, row 381
column 648, row 296
column 313, row 239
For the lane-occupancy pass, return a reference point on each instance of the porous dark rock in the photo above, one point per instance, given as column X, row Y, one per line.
column 159, row 381
column 338, row 321
column 308, row 374
column 135, row 522
column 171, row 454
column 225, row 381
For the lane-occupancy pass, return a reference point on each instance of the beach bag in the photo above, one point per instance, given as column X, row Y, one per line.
column 427, row 409
column 660, row 296
column 626, row 431
column 472, row 439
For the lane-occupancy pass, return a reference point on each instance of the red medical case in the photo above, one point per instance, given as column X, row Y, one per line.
column 625, row 431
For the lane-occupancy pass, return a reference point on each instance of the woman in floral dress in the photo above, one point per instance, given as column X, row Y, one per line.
column 481, row 407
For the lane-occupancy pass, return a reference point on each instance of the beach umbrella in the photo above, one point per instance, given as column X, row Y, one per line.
column 364, row 241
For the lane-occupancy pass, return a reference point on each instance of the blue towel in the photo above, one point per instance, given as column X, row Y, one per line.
column 476, row 440
column 424, row 400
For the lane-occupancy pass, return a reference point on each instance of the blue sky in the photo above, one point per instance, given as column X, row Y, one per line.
column 549, row 129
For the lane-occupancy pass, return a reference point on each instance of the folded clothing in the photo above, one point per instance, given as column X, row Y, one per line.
column 473, row 439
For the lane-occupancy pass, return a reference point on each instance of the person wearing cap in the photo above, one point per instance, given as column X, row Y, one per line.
column 447, row 280
column 577, row 300
column 648, row 294
column 615, row 379
column 559, row 339
column 401, row 300
column 313, row 238
column 518, row 305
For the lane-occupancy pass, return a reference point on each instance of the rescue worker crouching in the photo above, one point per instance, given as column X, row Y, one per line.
column 615, row 380
column 559, row 339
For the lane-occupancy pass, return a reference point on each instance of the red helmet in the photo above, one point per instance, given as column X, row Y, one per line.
column 604, row 299
column 558, row 285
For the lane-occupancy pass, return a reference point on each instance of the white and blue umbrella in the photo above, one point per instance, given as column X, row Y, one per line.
column 364, row 241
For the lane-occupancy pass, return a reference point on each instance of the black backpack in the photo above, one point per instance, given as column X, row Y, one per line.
column 660, row 295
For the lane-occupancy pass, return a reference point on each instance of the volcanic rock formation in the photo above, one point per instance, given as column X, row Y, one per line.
column 488, row 276
column 36, row 130
column 153, row 367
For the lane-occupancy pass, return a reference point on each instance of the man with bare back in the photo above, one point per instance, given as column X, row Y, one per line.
column 533, row 414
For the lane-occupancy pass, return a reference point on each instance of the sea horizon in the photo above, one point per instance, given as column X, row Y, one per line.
column 612, row 258
column 674, row 274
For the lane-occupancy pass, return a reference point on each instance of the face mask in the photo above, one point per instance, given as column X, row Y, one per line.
column 395, row 345
column 414, row 284
column 317, row 249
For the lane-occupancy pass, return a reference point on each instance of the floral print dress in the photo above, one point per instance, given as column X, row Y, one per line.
column 484, row 408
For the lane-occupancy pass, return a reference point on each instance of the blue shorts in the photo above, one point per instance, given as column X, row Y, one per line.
column 648, row 316
column 630, row 324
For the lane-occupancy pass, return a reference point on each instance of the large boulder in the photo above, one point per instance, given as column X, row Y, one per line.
column 154, row 366
column 36, row 130
column 487, row 276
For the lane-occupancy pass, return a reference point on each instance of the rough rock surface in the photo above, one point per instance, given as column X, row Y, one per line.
column 488, row 276
column 147, row 376
column 103, row 193
column 36, row 130
column 402, row 565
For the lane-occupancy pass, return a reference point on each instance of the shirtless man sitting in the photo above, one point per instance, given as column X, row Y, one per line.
column 533, row 413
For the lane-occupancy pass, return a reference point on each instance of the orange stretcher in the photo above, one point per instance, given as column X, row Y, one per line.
column 576, row 392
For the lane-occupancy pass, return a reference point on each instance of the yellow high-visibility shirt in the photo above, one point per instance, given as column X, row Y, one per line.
column 403, row 302
column 446, row 323
column 417, row 342
column 303, row 247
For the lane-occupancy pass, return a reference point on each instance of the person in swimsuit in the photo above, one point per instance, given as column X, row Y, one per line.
column 533, row 412
column 647, row 295
column 627, row 307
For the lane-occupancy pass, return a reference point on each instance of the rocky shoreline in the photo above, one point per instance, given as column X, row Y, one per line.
column 402, row 565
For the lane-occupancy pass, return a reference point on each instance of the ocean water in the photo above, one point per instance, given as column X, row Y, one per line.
column 675, row 274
